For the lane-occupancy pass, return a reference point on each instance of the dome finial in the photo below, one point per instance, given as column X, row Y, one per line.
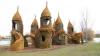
column 46, row 3
column 35, row 16
column 17, row 8
column 58, row 14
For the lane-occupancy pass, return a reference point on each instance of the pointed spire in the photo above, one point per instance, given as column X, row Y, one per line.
column 35, row 21
column 17, row 8
column 35, row 16
column 70, row 24
column 34, row 26
column 17, row 15
column 46, row 11
column 58, row 21
column 70, row 28
column 58, row 15
column 46, row 4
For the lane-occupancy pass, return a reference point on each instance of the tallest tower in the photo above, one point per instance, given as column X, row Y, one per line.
column 45, row 19
column 43, row 38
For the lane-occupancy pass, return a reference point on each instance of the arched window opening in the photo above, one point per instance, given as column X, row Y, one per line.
column 43, row 38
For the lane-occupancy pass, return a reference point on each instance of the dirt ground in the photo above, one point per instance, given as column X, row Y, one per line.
column 33, row 49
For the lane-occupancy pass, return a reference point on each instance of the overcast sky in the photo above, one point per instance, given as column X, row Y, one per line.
column 68, row 9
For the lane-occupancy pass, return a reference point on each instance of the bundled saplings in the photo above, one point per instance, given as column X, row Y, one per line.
column 43, row 37
column 75, row 38
column 18, row 44
column 34, row 28
column 70, row 31
column 70, row 28
column 17, row 25
column 59, row 36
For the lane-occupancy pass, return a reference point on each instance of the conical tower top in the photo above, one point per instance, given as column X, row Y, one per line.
column 70, row 24
column 17, row 15
column 46, row 11
column 35, row 21
column 58, row 21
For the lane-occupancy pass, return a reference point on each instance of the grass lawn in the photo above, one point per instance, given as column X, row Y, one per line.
column 90, row 49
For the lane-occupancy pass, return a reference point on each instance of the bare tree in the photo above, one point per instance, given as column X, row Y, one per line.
column 83, row 25
column 88, row 33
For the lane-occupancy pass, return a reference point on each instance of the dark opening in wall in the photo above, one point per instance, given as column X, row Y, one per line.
column 43, row 38
column 14, row 25
column 46, row 19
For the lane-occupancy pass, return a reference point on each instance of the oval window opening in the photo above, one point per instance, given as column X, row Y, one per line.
column 43, row 38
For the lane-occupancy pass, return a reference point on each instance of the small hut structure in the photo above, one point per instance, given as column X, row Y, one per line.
column 34, row 29
column 18, row 44
column 17, row 25
column 59, row 37
column 43, row 37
